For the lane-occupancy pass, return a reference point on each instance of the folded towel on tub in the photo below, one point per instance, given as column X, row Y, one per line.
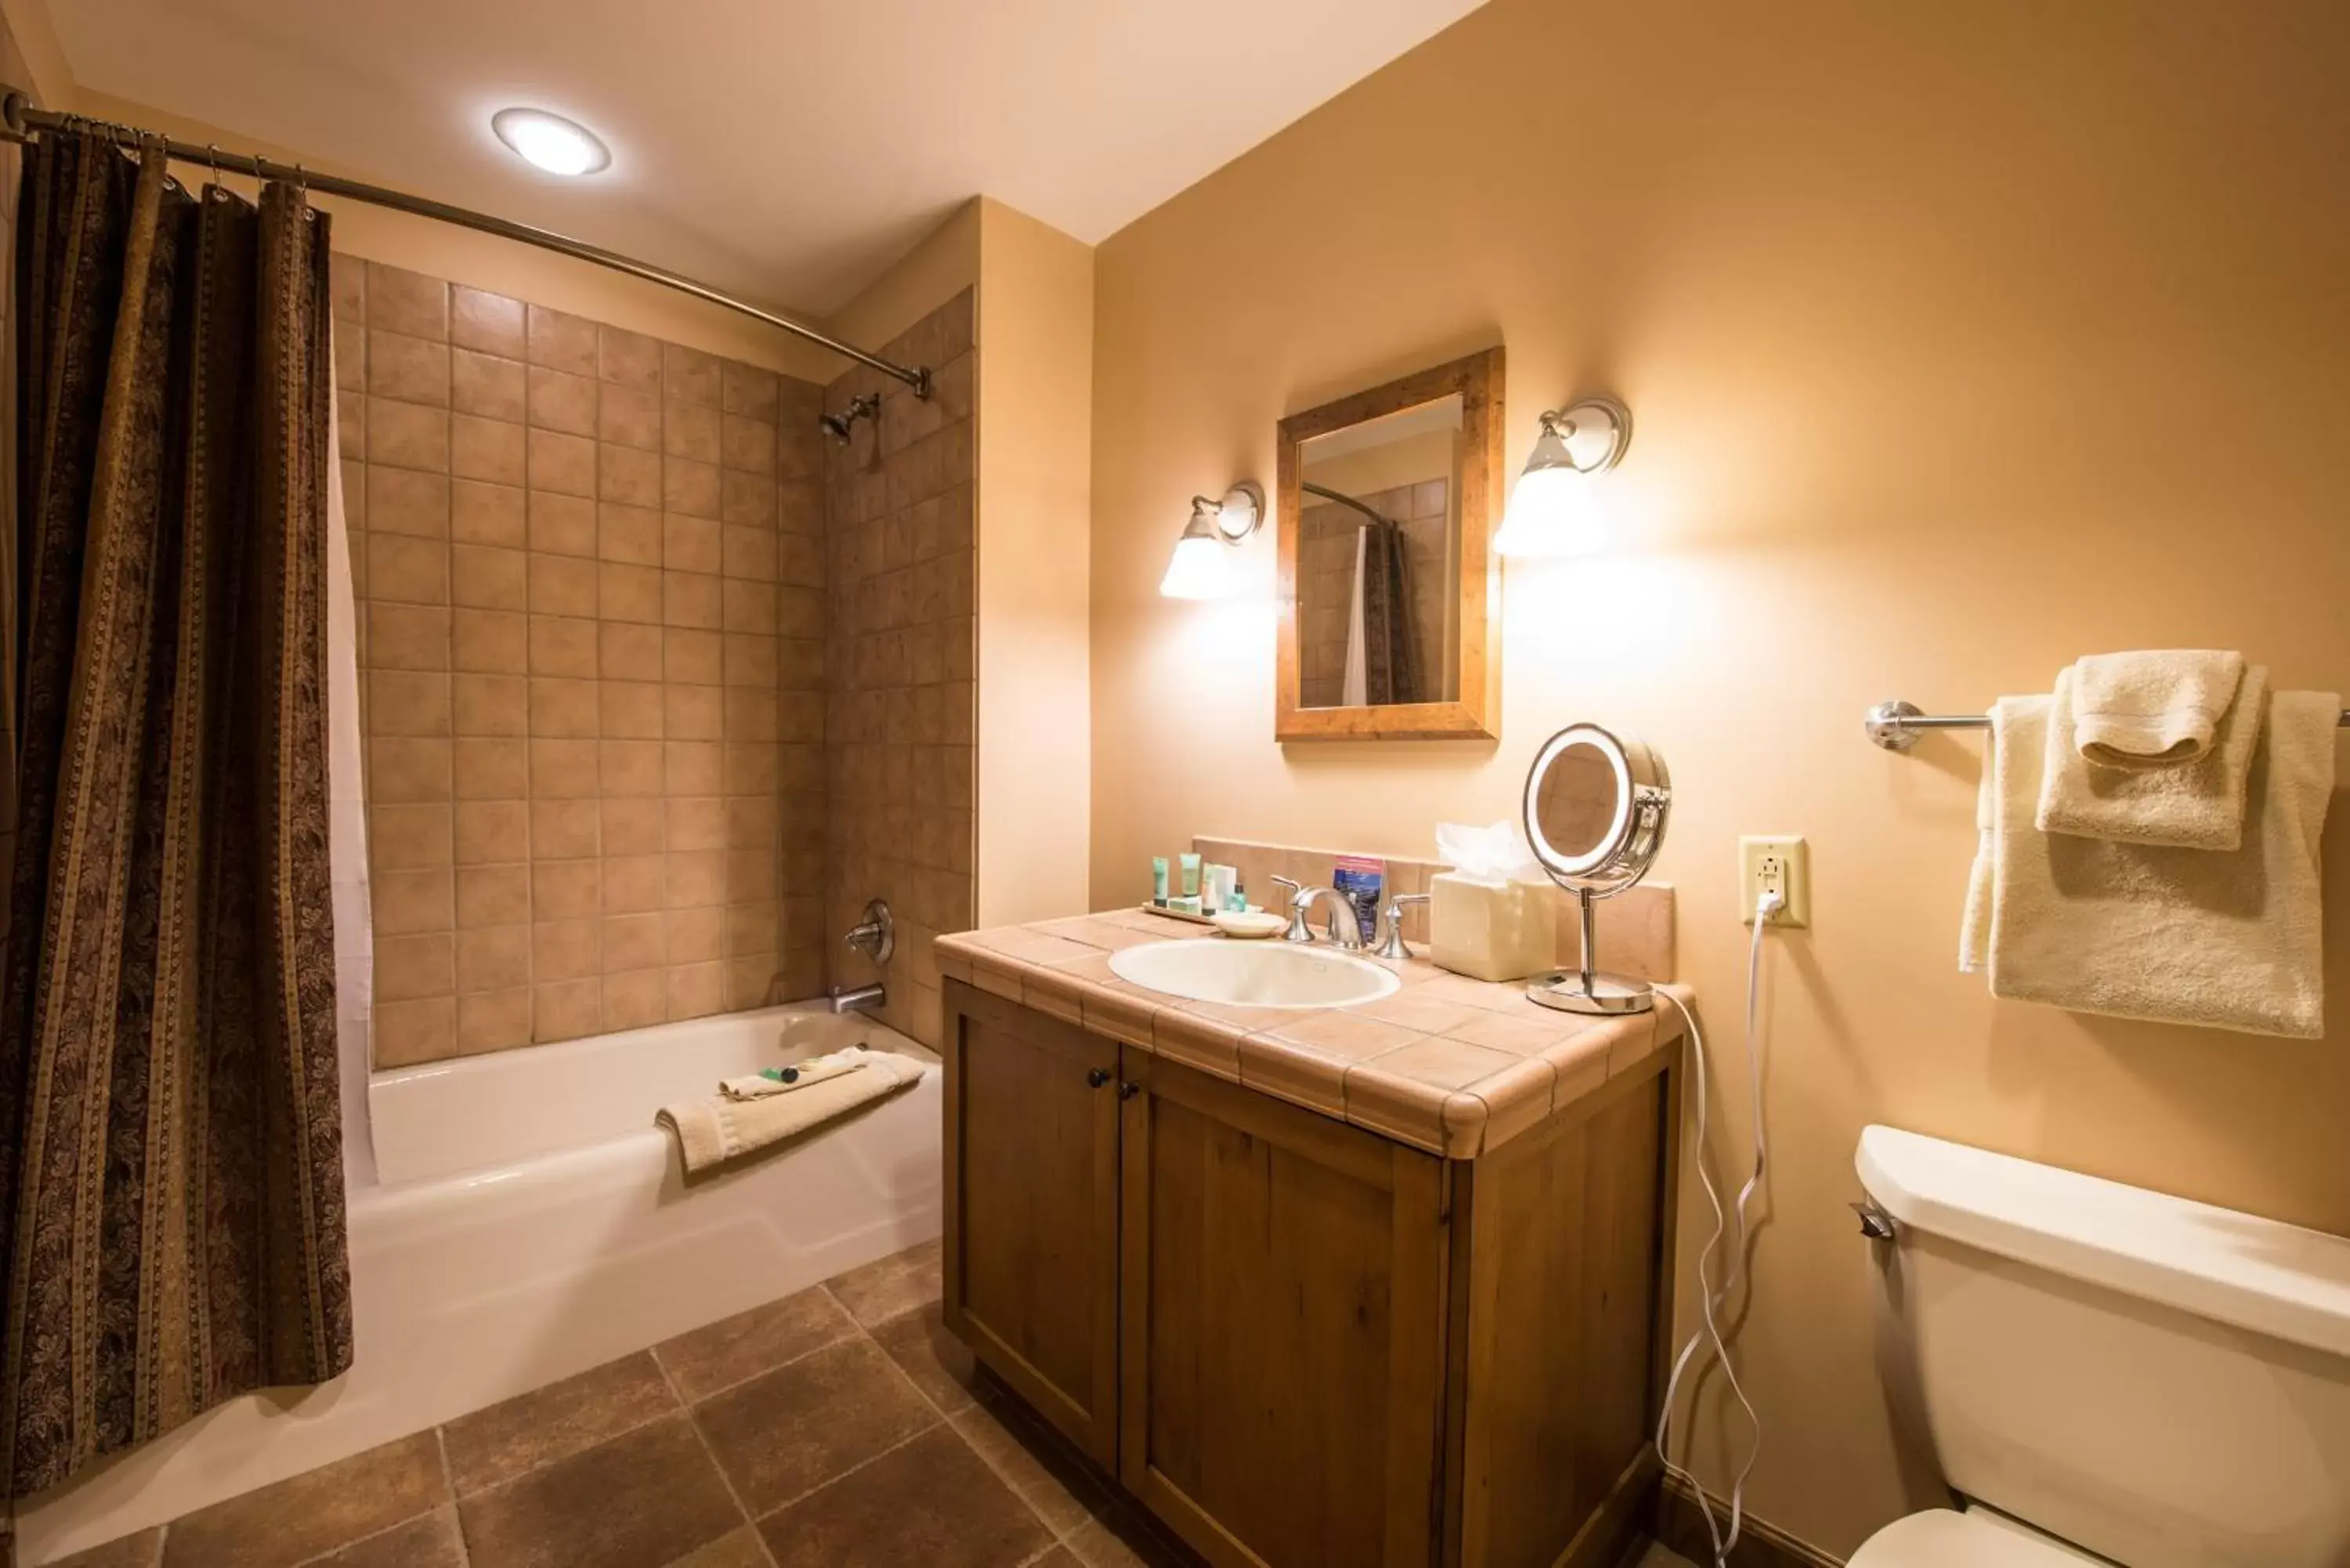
column 2197, row 804
column 714, row 1131
column 2229, row 939
column 2152, row 708
column 802, row 1073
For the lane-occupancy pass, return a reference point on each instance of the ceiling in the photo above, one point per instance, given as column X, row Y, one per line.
column 789, row 150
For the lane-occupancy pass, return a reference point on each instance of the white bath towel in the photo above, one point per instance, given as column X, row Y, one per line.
column 806, row 1072
column 2225, row 940
column 2193, row 805
column 712, row 1131
column 2152, row 708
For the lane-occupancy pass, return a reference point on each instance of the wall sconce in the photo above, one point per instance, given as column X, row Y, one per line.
column 1552, row 511
column 1201, row 567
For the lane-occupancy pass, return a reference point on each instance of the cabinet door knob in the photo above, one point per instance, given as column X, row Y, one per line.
column 1096, row 1076
column 1128, row 1089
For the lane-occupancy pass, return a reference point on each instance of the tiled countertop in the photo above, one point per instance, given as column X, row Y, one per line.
column 1449, row 1064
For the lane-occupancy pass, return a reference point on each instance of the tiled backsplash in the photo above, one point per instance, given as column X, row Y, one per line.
column 590, row 585
column 1635, row 927
column 902, row 695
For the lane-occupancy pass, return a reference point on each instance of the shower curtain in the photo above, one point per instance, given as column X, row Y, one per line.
column 1380, row 633
column 171, row 1221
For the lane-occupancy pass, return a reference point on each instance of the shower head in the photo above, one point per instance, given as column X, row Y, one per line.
column 867, row 406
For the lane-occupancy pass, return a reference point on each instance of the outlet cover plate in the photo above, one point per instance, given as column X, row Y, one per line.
column 1762, row 855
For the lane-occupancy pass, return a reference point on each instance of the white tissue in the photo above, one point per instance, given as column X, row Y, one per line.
column 1496, row 853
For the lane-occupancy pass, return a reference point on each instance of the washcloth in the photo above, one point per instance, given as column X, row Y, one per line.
column 2229, row 939
column 711, row 1132
column 2194, row 804
column 812, row 1070
column 2152, row 708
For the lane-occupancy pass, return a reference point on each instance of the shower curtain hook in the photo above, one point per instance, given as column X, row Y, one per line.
column 213, row 147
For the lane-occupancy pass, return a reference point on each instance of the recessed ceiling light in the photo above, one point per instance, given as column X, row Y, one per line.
column 550, row 142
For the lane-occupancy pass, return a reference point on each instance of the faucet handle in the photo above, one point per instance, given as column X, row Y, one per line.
column 1392, row 946
column 1301, row 899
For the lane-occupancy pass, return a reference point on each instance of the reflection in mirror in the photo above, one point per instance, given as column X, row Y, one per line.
column 1379, row 560
column 1577, row 800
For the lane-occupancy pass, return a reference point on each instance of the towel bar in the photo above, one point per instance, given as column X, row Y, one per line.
column 1895, row 725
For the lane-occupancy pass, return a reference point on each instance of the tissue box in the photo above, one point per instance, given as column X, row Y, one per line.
column 1495, row 930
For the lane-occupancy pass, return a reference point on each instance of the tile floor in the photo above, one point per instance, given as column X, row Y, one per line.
column 840, row 1428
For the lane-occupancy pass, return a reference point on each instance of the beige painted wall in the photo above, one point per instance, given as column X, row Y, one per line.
column 1035, row 439
column 1959, row 345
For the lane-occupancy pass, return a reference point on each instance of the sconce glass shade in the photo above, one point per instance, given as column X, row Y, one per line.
column 1201, row 566
column 1553, row 509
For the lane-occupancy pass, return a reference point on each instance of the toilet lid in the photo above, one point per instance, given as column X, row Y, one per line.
column 1941, row 1539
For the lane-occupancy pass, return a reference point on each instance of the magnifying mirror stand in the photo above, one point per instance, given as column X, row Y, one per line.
column 1585, row 990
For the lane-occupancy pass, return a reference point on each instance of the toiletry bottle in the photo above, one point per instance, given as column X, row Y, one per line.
column 1159, row 880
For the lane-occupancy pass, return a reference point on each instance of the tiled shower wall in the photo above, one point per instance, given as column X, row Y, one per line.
column 590, row 572
column 900, row 687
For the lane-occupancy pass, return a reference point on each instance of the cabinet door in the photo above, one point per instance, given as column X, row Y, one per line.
column 1031, row 1246
column 1282, row 1329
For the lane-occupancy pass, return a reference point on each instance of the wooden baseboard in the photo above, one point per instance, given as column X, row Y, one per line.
column 1678, row 1527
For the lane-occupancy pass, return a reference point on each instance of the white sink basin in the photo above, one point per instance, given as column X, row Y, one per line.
column 1253, row 974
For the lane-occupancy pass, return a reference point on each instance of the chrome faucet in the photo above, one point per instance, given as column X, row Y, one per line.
column 1344, row 925
column 857, row 998
column 1392, row 945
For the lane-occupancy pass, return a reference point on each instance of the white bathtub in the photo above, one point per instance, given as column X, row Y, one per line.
column 530, row 1223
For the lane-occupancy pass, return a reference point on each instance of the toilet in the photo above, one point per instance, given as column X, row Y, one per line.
column 2105, row 1374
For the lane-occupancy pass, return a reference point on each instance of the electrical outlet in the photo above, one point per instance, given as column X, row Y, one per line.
column 1780, row 862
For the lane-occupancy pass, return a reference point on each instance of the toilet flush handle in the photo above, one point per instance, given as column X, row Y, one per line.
column 1874, row 1222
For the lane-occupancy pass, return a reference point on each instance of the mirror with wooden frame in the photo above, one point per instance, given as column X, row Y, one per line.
column 1390, row 601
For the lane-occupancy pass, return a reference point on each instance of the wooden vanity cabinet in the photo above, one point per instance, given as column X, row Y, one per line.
column 1297, row 1342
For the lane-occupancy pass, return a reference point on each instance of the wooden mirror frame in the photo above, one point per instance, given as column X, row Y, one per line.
column 1476, row 714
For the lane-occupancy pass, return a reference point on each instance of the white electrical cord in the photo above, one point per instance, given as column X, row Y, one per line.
column 1710, row 1297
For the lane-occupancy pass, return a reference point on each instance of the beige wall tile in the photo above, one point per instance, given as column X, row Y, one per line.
column 562, row 524
column 407, row 1033
column 564, row 829
column 560, row 401
column 408, row 702
column 747, row 500
column 632, row 594
column 483, row 514
column 494, row 895
column 689, row 486
column 750, row 553
column 407, row 435
column 696, row 935
column 402, row 569
column 693, row 879
column 494, row 958
column 486, row 448
column 403, row 771
column 409, row 838
column 566, row 1011
column 692, row 768
column 630, row 767
column 693, row 658
column 631, row 709
column 628, row 652
column 489, row 831
column 563, row 706
column 565, row 950
column 629, row 358
column 403, row 500
column 486, row 385
column 566, row 889
column 632, row 941
column 414, row 369
column 632, row 825
column 399, row 300
column 693, row 712
column 564, row 464
column 408, row 968
column 562, row 585
column 481, row 642
column 747, row 390
column 696, row 822
column 630, row 534
column 748, row 446
column 493, row 1021
column 691, row 600
column 483, row 577
column 563, row 645
column 690, row 543
column 488, row 322
column 491, row 769
column 631, row 883
column 696, row 990
column 561, row 341
column 690, row 376
column 627, row 474
column 625, row 417
column 410, row 903
column 633, row 1000
column 563, row 769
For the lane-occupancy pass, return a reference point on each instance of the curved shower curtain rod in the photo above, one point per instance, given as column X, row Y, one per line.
column 1343, row 499
column 23, row 122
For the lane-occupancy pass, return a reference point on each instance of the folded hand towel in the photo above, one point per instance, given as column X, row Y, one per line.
column 809, row 1070
column 2151, row 709
column 713, row 1131
column 2231, row 939
column 2194, row 805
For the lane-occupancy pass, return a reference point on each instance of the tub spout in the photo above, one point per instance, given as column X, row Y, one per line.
column 857, row 998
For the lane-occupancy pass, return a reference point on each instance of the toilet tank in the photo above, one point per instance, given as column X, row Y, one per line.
column 2161, row 1382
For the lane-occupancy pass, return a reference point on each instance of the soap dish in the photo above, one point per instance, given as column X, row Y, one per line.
column 1253, row 925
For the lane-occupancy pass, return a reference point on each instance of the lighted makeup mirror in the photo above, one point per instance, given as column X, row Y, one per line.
column 1595, row 811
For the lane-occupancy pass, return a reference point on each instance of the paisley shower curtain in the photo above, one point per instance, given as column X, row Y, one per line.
column 171, row 1221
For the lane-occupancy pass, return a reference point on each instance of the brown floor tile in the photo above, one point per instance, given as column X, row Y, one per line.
column 307, row 1515
column 727, row 1352
column 1046, row 1476
column 788, row 1431
column 649, row 1496
column 1121, row 1540
column 1057, row 1558
column 940, row 1364
column 554, row 1422
column 739, row 1550
column 931, row 1502
column 131, row 1552
column 431, row 1542
column 889, row 1286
